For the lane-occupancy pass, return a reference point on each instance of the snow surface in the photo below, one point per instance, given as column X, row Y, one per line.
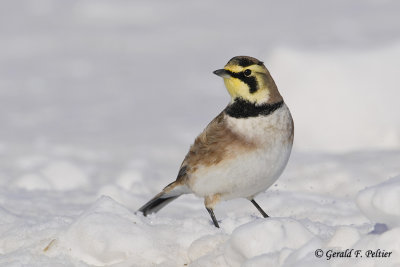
column 100, row 101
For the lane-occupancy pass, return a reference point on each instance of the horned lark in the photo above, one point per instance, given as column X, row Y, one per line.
column 243, row 150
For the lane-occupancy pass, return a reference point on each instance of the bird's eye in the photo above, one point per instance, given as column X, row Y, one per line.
column 247, row 73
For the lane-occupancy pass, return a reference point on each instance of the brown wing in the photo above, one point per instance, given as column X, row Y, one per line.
column 215, row 143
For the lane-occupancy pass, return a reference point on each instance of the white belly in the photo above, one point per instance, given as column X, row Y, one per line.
column 253, row 172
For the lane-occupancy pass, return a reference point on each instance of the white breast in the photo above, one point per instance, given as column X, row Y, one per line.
column 250, row 173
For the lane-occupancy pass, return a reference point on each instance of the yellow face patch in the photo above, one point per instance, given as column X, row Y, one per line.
column 240, row 89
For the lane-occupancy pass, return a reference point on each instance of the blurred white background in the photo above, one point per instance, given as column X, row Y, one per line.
column 137, row 75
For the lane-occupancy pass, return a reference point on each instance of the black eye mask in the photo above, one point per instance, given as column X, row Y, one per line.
column 249, row 80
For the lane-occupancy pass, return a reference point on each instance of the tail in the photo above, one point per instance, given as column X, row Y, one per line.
column 169, row 193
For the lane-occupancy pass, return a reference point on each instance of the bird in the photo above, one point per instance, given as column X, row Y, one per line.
column 243, row 150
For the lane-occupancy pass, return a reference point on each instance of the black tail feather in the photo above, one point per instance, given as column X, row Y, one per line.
column 156, row 203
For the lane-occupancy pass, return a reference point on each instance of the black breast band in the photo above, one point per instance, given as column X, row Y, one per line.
column 243, row 109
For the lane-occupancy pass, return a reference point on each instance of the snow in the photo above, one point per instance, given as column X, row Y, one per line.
column 381, row 203
column 273, row 236
column 100, row 101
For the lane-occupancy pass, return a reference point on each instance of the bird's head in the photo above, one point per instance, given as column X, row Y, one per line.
column 248, row 79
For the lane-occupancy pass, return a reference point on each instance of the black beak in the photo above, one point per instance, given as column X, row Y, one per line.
column 222, row 73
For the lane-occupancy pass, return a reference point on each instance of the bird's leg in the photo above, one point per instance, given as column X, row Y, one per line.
column 210, row 202
column 211, row 211
column 259, row 208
